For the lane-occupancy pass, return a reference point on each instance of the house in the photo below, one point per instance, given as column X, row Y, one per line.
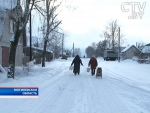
column 8, row 11
column 36, row 51
column 145, row 53
column 146, row 49
column 36, row 55
column 129, row 52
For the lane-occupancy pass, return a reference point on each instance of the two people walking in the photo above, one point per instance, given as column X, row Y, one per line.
column 77, row 61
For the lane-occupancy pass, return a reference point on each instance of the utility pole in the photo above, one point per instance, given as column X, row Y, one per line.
column 62, row 44
column 30, row 38
column 73, row 50
column 119, row 45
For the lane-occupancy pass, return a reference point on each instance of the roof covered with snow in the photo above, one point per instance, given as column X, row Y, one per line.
column 35, row 41
column 146, row 49
column 128, row 47
column 125, row 49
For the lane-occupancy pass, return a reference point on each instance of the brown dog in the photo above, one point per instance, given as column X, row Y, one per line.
column 99, row 72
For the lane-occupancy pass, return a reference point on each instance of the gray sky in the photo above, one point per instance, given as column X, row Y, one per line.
column 85, row 24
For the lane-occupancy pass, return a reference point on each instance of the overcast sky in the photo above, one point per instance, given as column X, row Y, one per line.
column 85, row 20
column 85, row 24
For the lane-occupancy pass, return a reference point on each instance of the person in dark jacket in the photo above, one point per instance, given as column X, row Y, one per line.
column 76, row 61
column 93, row 63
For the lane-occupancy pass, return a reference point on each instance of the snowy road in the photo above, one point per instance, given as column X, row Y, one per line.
column 60, row 91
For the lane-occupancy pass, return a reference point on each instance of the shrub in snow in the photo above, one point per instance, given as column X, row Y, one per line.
column 135, row 58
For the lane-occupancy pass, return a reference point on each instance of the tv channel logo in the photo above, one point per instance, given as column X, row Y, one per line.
column 136, row 9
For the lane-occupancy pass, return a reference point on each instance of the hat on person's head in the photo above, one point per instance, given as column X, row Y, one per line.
column 77, row 56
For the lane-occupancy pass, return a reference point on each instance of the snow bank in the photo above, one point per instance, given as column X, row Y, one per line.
column 2, row 69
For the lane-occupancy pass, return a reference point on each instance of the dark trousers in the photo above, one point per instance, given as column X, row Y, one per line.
column 93, row 71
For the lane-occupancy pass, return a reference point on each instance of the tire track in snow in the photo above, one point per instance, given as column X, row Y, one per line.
column 104, row 95
column 92, row 91
column 127, row 89
column 36, row 104
column 49, row 93
column 66, row 98
column 80, row 100
column 127, row 92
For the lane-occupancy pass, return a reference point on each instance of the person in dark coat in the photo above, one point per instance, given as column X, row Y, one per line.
column 76, row 61
column 93, row 63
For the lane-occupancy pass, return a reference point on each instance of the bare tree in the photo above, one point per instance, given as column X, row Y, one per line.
column 94, row 45
column 50, row 22
column 90, row 51
column 140, row 45
column 112, row 33
column 77, row 51
column 55, row 43
column 20, row 18
column 107, row 39
column 101, row 46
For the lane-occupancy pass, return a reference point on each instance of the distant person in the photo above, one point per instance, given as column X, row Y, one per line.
column 76, row 61
column 93, row 64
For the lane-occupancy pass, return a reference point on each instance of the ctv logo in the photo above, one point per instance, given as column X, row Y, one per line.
column 136, row 9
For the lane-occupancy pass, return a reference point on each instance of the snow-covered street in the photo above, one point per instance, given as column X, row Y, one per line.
column 124, row 88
